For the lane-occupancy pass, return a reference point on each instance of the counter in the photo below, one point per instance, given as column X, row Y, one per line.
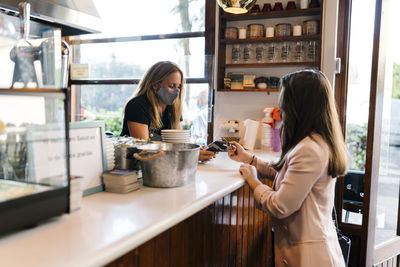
column 109, row 225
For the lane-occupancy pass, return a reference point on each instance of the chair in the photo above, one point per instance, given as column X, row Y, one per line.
column 353, row 195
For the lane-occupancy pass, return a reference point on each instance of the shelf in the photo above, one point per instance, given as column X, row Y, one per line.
column 34, row 92
column 39, row 90
column 273, row 14
column 272, row 64
column 248, row 90
column 272, row 39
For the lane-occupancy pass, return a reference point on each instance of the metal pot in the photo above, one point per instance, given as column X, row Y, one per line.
column 124, row 159
column 168, row 164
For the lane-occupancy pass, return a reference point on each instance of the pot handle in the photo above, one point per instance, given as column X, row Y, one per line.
column 138, row 156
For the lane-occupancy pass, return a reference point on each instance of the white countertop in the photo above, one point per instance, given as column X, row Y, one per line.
column 109, row 225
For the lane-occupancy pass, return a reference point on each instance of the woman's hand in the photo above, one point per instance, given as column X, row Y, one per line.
column 249, row 173
column 206, row 155
column 236, row 152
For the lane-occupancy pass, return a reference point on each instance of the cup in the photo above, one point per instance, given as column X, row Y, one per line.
column 297, row 30
column 255, row 9
column 290, row 5
column 303, row 4
column 267, row 7
column 269, row 32
column 314, row 4
column 278, row 6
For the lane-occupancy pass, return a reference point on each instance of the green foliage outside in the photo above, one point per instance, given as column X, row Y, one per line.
column 396, row 81
column 112, row 120
column 356, row 139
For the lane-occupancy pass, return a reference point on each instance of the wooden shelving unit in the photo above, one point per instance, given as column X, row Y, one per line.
column 272, row 14
column 225, row 20
column 249, row 90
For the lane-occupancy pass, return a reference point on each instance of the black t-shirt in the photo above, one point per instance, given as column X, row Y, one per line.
column 138, row 110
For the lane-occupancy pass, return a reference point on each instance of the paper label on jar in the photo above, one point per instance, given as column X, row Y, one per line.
column 79, row 71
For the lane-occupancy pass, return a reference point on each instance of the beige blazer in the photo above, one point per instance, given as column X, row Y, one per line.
column 300, row 204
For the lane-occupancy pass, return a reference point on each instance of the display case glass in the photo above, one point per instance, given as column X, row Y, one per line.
column 34, row 164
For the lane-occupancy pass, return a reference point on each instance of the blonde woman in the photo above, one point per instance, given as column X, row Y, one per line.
column 301, row 199
column 157, row 105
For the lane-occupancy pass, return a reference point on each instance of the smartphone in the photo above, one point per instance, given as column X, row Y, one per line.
column 217, row 146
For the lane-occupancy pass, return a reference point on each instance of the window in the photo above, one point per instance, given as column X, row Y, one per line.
column 134, row 39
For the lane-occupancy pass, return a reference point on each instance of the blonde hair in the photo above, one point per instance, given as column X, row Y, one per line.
column 308, row 107
column 154, row 76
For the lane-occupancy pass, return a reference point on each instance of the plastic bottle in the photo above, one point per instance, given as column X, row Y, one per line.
column 267, row 130
column 276, row 143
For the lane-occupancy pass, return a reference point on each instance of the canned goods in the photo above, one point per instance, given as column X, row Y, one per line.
column 283, row 29
column 255, row 30
column 311, row 27
column 231, row 33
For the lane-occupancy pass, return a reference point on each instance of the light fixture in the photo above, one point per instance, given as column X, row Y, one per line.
column 236, row 6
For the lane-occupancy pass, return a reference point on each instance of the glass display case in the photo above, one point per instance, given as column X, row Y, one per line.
column 34, row 162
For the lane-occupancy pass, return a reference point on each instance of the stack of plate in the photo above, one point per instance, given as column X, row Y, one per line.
column 175, row 136
column 110, row 154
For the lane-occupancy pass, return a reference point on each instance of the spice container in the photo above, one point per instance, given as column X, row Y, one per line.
column 255, row 30
column 298, row 53
column 260, row 53
column 231, row 33
column 283, row 29
column 285, row 52
column 311, row 27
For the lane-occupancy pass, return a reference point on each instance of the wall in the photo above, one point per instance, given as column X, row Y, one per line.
column 243, row 105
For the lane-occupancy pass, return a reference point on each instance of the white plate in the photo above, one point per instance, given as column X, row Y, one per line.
column 174, row 131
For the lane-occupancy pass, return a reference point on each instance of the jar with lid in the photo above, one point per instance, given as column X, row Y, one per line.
column 260, row 53
column 298, row 51
column 247, row 53
column 271, row 52
column 235, row 56
column 285, row 50
column 312, row 51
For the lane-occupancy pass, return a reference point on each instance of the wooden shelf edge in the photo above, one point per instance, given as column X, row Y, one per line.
column 273, row 14
column 248, row 90
column 32, row 90
column 272, row 39
column 271, row 64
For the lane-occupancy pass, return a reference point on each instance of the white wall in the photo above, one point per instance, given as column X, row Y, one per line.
column 243, row 105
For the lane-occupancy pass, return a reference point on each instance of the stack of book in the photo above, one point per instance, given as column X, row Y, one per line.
column 121, row 181
column 75, row 193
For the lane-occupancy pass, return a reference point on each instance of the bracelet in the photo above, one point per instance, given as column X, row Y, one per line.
column 252, row 159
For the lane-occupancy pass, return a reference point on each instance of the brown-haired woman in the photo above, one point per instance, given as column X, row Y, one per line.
column 157, row 105
column 301, row 199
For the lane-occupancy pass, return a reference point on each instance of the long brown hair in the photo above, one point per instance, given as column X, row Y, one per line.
column 153, row 76
column 308, row 107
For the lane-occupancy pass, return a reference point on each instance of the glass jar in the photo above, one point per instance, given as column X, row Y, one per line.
column 235, row 54
column 260, row 53
column 298, row 53
column 247, row 53
column 285, row 52
column 271, row 52
column 312, row 51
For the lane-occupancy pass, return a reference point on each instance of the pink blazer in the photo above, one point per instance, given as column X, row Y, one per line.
column 300, row 204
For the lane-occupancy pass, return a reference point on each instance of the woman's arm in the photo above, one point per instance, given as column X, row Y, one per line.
column 138, row 130
column 264, row 169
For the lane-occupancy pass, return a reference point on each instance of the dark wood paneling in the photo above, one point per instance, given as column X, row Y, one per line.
column 230, row 232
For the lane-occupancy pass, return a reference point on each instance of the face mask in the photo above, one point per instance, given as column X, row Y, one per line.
column 167, row 96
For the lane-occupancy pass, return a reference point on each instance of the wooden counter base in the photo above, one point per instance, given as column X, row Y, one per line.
column 230, row 232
